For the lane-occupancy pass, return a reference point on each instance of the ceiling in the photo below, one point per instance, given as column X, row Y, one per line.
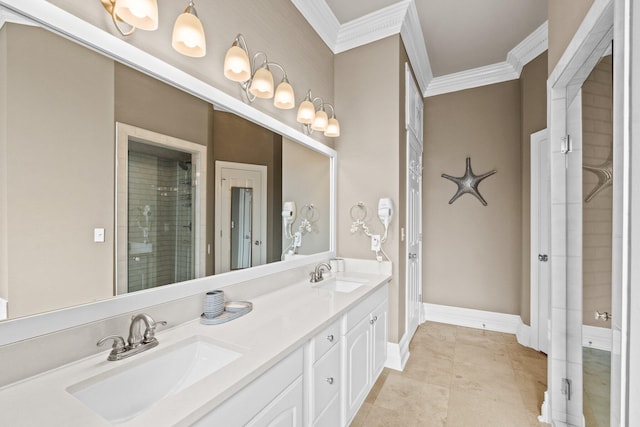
column 450, row 38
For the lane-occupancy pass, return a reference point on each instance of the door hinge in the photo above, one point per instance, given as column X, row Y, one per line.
column 566, row 145
column 566, row 387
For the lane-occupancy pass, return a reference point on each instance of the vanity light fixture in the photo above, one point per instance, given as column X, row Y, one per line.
column 188, row 34
column 141, row 14
column 316, row 119
column 257, row 81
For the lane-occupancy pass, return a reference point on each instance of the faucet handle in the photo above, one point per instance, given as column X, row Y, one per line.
column 117, row 347
column 150, row 332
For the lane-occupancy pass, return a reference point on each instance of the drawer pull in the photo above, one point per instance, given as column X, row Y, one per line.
column 330, row 380
column 330, row 338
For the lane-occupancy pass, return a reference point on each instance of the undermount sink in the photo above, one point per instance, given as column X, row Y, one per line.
column 341, row 285
column 124, row 393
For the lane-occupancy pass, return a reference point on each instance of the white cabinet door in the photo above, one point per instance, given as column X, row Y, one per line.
column 379, row 337
column 357, row 348
column 284, row 411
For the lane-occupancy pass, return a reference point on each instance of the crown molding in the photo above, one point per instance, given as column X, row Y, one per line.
column 476, row 77
column 371, row 27
column 413, row 39
column 527, row 50
column 322, row 20
column 402, row 17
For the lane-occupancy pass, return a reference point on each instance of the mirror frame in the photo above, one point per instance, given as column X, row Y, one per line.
column 72, row 27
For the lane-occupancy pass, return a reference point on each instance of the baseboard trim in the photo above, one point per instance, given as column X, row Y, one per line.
column 596, row 337
column 470, row 318
column 398, row 354
column 524, row 334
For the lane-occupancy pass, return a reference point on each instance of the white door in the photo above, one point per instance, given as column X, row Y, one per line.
column 414, row 107
column 540, row 240
column 230, row 176
column 414, row 234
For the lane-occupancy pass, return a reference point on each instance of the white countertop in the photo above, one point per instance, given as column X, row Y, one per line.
column 280, row 322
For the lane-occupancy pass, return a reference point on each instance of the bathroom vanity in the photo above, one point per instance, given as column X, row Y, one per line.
column 308, row 354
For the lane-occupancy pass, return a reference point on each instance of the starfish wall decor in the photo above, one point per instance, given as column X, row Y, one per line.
column 468, row 183
column 604, row 172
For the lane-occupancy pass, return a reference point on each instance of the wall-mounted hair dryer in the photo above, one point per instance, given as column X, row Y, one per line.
column 289, row 213
column 385, row 213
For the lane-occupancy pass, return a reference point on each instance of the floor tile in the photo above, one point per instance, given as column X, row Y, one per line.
column 459, row 376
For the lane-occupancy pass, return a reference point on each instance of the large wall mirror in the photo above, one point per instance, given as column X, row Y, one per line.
column 108, row 182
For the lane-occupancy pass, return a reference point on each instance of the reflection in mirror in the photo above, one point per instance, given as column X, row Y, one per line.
column 241, row 206
column 58, row 186
column 597, row 216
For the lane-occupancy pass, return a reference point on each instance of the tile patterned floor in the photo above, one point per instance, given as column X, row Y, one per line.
column 459, row 376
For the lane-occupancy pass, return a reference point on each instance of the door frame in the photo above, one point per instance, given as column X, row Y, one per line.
column 262, row 170
column 590, row 41
column 199, row 167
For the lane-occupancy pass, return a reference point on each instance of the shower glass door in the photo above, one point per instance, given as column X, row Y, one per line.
column 160, row 217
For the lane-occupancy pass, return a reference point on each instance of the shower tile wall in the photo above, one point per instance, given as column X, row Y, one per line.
column 153, row 182
column 597, row 145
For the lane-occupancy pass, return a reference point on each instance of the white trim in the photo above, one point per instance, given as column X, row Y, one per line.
column 322, row 20
column 596, row 337
column 470, row 318
column 481, row 76
column 402, row 17
column 6, row 16
column 413, row 40
column 398, row 354
column 524, row 335
column 371, row 27
column 529, row 48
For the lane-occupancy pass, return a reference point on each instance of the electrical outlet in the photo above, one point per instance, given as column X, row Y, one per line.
column 297, row 239
column 375, row 242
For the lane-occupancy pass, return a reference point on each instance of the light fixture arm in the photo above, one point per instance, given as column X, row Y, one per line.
column 333, row 111
column 110, row 6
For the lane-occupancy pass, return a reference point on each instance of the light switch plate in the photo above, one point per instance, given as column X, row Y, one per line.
column 98, row 235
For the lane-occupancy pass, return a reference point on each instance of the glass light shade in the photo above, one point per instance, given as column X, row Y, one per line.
column 236, row 64
column 306, row 112
column 141, row 14
column 188, row 36
column 262, row 84
column 320, row 122
column 333, row 128
column 284, row 98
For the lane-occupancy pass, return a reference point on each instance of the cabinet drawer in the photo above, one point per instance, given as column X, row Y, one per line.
column 326, row 339
column 326, row 380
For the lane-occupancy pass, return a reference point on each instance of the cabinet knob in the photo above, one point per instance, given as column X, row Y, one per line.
column 372, row 321
column 330, row 338
column 330, row 380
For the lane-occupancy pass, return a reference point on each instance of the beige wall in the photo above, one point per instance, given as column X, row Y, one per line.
column 306, row 180
column 367, row 86
column 597, row 214
column 275, row 27
column 533, row 94
column 59, row 172
column 565, row 16
column 472, row 253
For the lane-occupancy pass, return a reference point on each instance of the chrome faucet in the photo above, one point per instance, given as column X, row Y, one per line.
column 137, row 341
column 316, row 275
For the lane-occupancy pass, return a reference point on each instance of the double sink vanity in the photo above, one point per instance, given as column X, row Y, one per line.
column 308, row 354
